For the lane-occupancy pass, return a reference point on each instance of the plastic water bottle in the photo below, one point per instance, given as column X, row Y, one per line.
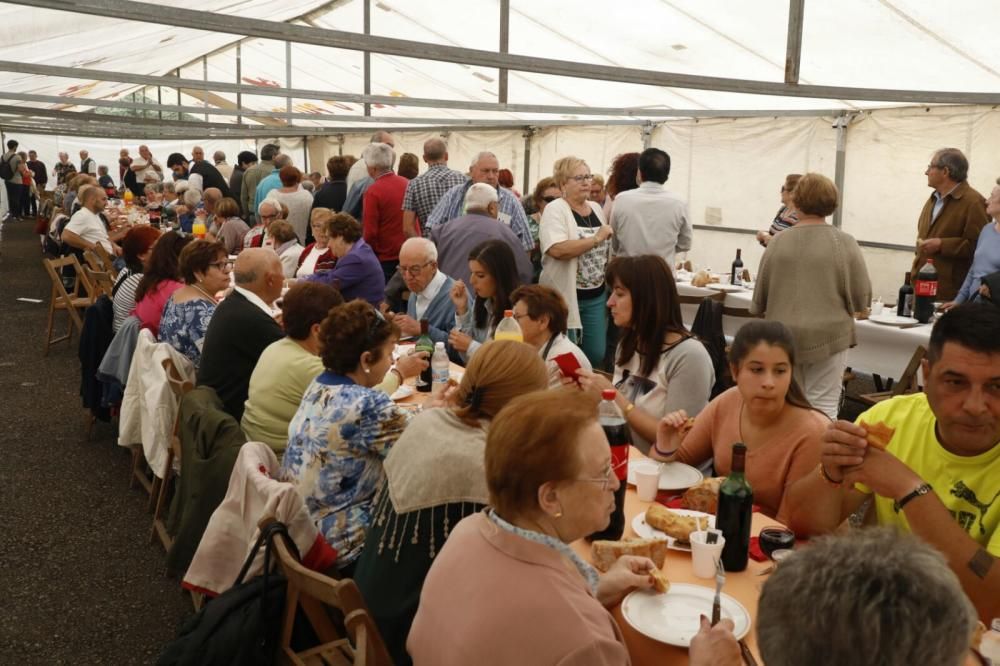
column 440, row 370
column 508, row 328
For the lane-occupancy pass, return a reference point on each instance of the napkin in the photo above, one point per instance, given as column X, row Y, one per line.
column 755, row 552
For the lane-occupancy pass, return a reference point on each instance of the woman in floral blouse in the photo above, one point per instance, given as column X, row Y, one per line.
column 344, row 428
column 204, row 265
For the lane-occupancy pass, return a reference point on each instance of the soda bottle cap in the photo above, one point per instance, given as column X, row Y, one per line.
column 508, row 313
column 439, row 345
column 609, row 394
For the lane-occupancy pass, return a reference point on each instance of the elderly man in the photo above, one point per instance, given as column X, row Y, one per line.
column 359, row 172
column 86, row 228
column 87, row 163
column 456, row 239
column 271, row 181
column 253, row 175
column 209, row 199
column 40, row 174
column 267, row 213
column 241, row 328
column 201, row 175
column 949, row 223
column 197, row 154
column 424, row 191
column 124, row 162
column 651, row 219
column 382, row 221
column 939, row 476
column 219, row 157
column 429, row 291
column 147, row 168
column 64, row 170
column 484, row 169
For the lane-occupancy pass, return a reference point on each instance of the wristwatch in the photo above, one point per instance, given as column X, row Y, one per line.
column 919, row 491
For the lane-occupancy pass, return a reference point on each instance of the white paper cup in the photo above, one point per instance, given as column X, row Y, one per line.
column 647, row 481
column 704, row 555
column 877, row 308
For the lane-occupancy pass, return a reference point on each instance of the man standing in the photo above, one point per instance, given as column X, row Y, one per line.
column 63, row 170
column 244, row 161
column 456, row 239
column 201, row 175
column 197, row 154
column 219, row 157
column 241, row 328
column 253, row 175
column 424, row 191
column 87, row 164
column 334, row 192
column 14, row 182
column 39, row 173
column 147, row 169
column 430, row 291
column 359, row 171
column 382, row 222
column 651, row 219
column 272, row 180
column 484, row 169
column 938, row 476
column 124, row 162
column 949, row 223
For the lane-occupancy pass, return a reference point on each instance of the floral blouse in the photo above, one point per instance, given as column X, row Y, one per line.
column 183, row 326
column 337, row 441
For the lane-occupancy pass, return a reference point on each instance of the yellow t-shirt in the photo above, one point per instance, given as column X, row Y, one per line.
column 968, row 486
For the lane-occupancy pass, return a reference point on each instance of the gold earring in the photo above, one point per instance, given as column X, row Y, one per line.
column 559, row 515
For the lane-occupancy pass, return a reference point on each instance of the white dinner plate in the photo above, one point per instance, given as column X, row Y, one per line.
column 673, row 475
column 644, row 531
column 674, row 618
column 402, row 393
column 892, row 320
column 725, row 286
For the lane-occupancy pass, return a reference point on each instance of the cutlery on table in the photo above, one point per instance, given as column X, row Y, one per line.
column 720, row 580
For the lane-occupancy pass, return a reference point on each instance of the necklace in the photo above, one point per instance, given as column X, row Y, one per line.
column 207, row 295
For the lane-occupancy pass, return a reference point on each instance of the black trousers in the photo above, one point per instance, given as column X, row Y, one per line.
column 15, row 198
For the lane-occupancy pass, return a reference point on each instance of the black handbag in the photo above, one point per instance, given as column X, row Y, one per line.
column 993, row 282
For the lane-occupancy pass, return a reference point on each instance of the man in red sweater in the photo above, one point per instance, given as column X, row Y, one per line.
column 382, row 217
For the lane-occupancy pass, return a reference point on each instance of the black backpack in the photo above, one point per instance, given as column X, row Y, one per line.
column 6, row 168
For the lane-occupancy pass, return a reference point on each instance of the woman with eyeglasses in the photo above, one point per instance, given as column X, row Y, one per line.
column 357, row 273
column 576, row 248
column 205, row 267
column 345, row 427
column 493, row 278
column 545, row 193
column 434, row 479
column 507, row 583
column 786, row 216
column 541, row 313
column 317, row 256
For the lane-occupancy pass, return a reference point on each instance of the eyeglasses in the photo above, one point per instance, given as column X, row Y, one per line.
column 267, row 217
column 549, row 199
column 934, row 166
column 414, row 271
column 519, row 317
column 605, row 478
column 582, row 178
column 222, row 265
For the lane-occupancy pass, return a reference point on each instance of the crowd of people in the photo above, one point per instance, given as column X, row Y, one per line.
column 292, row 303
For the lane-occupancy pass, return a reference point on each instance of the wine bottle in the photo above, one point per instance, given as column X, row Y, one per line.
column 904, row 306
column 736, row 277
column 735, row 513
column 425, row 344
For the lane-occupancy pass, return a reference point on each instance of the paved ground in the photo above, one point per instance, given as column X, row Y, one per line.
column 81, row 583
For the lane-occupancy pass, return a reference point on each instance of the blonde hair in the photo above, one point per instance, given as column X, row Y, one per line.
column 564, row 167
column 499, row 372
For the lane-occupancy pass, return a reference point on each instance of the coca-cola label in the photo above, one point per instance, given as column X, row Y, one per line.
column 925, row 287
column 619, row 461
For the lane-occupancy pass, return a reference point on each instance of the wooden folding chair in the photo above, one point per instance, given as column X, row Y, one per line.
column 107, row 261
column 315, row 593
column 907, row 381
column 162, row 489
column 101, row 281
column 82, row 296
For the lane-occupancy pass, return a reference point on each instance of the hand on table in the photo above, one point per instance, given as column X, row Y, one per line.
column 413, row 364
column 626, row 574
column 459, row 341
column 408, row 325
column 715, row 646
column 460, row 297
column 947, row 306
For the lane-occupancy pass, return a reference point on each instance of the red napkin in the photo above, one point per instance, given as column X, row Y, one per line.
column 755, row 552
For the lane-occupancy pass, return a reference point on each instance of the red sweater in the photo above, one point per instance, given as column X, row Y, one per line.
column 383, row 216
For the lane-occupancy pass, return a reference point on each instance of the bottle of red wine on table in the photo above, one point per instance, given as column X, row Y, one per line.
column 425, row 344
column 735, row 513
column 904, row 306
column 924, row 292
column 616, row 430
column 736, row 277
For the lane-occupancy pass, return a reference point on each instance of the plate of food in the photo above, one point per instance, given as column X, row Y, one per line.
column 674, row 617
column 674, row 525
column 673, row 475
column 725, row 286
column 888, row 319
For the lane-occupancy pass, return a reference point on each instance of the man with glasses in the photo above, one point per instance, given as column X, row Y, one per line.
column 267, row 212
column 651, row 219
column 949, row 223
column 429, row 291
column 485, row 168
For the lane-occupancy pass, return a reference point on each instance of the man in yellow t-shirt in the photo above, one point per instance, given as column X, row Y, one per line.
column 940, row 474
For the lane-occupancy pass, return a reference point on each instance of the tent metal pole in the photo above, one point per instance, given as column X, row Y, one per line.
column 793, row 48
column 204, row 76
column 177, row 73
column 504, row 48
column 647, row 135
column 528, row 133
column 838, row 170
column 239, row 79
column 368, row 56
column 288, row 79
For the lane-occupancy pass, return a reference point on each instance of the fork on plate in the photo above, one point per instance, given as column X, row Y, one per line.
column 720, row 580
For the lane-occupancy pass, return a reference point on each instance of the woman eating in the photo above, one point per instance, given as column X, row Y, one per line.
column 786, row 216
column 137, row 246
column 205, row 267
column 766, row 410
column 358, row 273
column 575, row 251
column 493, row 276
column 228, row 227
column 659, row 366
column 159, row 281
column 541, row 312
column 507, row 584
column 344, row 428
column 434, row 479
column 317, row 256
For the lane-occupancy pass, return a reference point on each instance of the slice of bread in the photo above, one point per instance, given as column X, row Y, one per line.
column 879, row 434
column 606, row 553
column 660, row 582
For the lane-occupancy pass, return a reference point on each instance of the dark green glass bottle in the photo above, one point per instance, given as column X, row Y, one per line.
column 735, row 513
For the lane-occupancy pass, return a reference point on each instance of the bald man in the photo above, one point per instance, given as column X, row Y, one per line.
column 86, row 229
column 241, row 328
column 424, row 191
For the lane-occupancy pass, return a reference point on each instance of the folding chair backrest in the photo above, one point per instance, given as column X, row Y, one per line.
column 100, row 280
column 107, row 261
column 908, row 381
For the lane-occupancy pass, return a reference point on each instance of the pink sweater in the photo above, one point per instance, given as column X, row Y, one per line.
column 150, row 308
column 773, row 465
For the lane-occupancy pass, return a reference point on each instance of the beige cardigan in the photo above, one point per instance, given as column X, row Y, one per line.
column 813, row 279
column 557, row 225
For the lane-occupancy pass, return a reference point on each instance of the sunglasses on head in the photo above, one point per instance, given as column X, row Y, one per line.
column 549, row 199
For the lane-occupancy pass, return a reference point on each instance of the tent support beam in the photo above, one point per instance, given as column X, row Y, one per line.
column 526, row 181
column 793, row 49
column 288, row 80
column 504, row 48
column 838, row 169
column 238, row 25
column 368, row 57
column 647, row 135
column 239, row 78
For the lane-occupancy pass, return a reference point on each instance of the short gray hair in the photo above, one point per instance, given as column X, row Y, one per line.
column 219, row 156
column 886, row 591
column 282, row 160
column 379, row 156
column 480, row 196
column 168, row 186
column 192, row 196
column 954, row 161
column 425, row 245
column 480, row 155
column 273, row 203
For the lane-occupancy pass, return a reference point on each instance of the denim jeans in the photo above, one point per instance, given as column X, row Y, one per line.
column 594, row 318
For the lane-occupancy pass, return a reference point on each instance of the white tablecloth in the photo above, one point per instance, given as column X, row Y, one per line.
column 881, row 350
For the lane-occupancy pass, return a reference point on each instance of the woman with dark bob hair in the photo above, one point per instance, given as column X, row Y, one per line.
column 345, row 427
column 493, row 278
column 137, row 246
column 550, row 483
column 205, row 267
column 542, row 314
column 358, row 273
column 228, row 227
column 621, row 178
column 161, row 278
column 766, row 410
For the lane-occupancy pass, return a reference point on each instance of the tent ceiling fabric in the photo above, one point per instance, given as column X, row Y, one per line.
column 873, row 44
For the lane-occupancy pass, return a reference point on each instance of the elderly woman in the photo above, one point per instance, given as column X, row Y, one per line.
column 766, row 410
column 286, row 245
column 597, row 192
column 317, row 256
column 160, row 280
column 344, row 428
column 541, row 313
column 786, row 216
column 493, row 277
column 358, row 273
column 575, row 245
column 186, row 212
column 545, row 193
column 205, row 268
column 298, row 201
column 550, row 482
column 813, row 279
column 434, row 479
column 228, row 227
column 137, row 246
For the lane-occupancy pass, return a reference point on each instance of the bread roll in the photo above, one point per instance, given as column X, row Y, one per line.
column 704, row 496
column 672, row 524
column 606, row 553
column 660, row 582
